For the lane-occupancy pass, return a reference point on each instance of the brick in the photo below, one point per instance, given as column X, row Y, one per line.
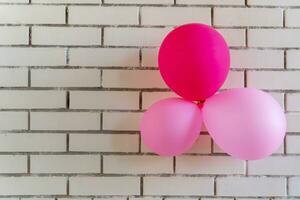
column 260, row 59
column 67, row 1
column 212, row 2
column 294, row 184
column 13, row 120
column 234, row 37
column 102, row 57
column 104, row 143
column 16, row 99
column 64, row 164
column 273, row 3
column 14, row 35
column 132, row 79
column 113, row 100
column 287, row 165
column 261, row 17
column 65, row 78
column 274, row 80
column 149, row 57
column 292, row 59
column 281, row 38
column 234, row 79
column 17, row 142
column 137, row 164
column 103, row 15
column 13, row 77
column 149, row 98
column 293, row 101
column 134, row 36
column 32, row 14
column 28, row 56
column 293, row 122
column 174, row 15
column 13, row 164
column 142, row 2
column 13, row 1
column 251, row 186
column 122, row 121
column 66, row 36
column 174, row 186
column 64, row 121
column 105, row 185
column 209, row 165
column 33, row 186
column 293, row 144
column 291, row 16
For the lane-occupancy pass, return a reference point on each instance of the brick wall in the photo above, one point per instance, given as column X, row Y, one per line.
column 76, row 76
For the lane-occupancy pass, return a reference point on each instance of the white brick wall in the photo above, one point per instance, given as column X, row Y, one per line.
column 76, row 76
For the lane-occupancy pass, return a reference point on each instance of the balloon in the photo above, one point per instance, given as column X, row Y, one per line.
column 171, row 126
column 246, row 123
column 194, row 61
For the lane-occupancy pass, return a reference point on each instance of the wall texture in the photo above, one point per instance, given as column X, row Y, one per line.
column 76, row 76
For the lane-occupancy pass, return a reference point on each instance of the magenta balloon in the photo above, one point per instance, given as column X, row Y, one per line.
column 194, row 61
column 246, row 123
column 171, row 126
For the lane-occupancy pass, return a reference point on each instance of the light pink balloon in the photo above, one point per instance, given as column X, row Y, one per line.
column 246, row 123
column 171, row 126
column 194, row 61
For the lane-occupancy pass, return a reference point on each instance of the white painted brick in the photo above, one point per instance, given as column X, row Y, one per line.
column 150, row 57
column 104, row 57
column 114, row 100
column 274, row 80
column 209, row 165
column 13, row 77
column 152, row 2
column 14, row 35
column 32, row 56
column 172, row 186
column 13, row 120
column 111, row 198
column 64, row 121
column 127, row 121
column 137, row 165
column 174, row 15
column 251, row 186
column 273, row 3
column 234, row 37
column 292, row 57
column 132, row 79
column 13, row 99
column 294, row 185
column 149, row 98
column 13, row 1
column 288, row 165
column 291, row 17
column 32, row 14
column 293, row 101
column 104, row 143
column 178, row 198
column 248, row 17
column 66, row 36
column 253, row 58
column 281, row 38
column 13, row 164
column 145, row 198
column 103, row 15
column 134, row 36
column 33, row 185
column 105, row 185
column 293, row 144
column 65, row 78
column 65, row 164
column 17, row 142
column 67, row 1
column 234, row 79
column 212, row 2
column 293, row 122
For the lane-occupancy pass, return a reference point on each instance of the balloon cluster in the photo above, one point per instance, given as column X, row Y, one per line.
column 194, row 61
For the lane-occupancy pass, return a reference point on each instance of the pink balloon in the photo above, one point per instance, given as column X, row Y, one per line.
column 194, row 61
column 246, row 123
column 171, row 126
